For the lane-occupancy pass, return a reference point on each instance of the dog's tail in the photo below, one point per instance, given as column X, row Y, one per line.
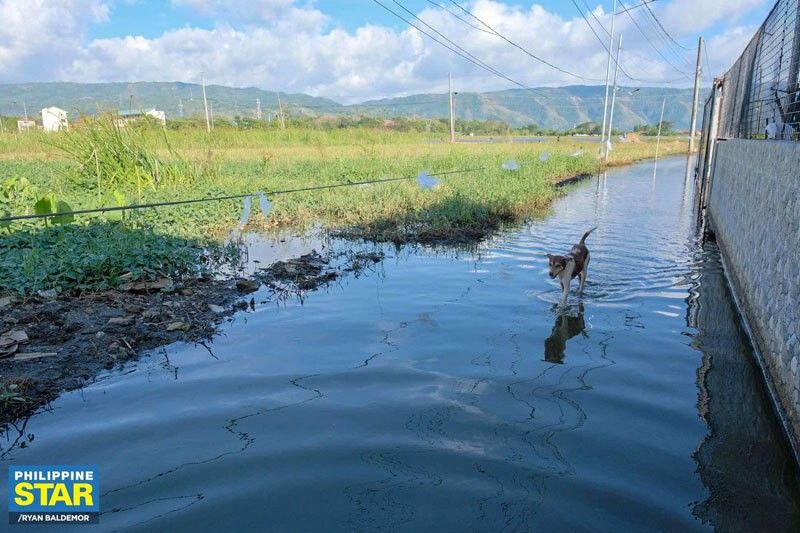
column 583, row 239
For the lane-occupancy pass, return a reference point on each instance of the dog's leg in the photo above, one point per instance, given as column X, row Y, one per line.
column 565, row 289
column 583, row 275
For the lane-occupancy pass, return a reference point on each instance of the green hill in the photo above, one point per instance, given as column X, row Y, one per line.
column 554, row 108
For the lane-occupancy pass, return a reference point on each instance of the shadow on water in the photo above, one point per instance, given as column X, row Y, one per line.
column 760, row 493
column 568, row 324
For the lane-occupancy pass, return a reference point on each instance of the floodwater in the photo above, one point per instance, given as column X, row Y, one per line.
column 445, row 390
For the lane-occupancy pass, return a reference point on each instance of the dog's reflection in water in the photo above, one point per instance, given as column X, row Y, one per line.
column 568, row 324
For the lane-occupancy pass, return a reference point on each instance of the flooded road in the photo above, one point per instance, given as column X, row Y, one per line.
column 445, row 390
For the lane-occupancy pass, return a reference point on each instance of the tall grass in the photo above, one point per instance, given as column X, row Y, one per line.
column 110, row 165
column 108, row 155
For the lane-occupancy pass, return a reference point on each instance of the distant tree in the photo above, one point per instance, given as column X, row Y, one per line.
column 585, row 128
column 667, row 128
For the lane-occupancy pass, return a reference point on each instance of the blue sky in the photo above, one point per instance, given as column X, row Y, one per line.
column 352, row 50
column 151, row 18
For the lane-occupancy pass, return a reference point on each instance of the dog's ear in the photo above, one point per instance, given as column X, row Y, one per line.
column 549, row 256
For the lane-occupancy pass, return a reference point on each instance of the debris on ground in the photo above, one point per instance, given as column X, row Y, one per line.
column 52, row 343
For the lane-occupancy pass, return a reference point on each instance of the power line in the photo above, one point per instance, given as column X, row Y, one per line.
column 456, row 51
column 591, row 12
column 626, row 9
column 605, row 47
column 664, row 29
column 644, row 34
column 444, row 8
column 443, row 36
column 514, row 44
column 666, row 39
column 708, row 62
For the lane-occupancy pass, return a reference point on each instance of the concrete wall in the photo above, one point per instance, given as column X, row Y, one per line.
column 754, row 209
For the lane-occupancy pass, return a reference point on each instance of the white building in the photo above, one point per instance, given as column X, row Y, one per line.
column 158, row 115
column 54, row 119
column 154, row 114
column 25, row 125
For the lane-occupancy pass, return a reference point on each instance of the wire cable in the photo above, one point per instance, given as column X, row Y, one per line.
column 468, row 23
column 514, row 44
column 644, row 34
column 605, row 47
column 445, row 37
column 227, row 197
column 456, row 51
column 652, row 13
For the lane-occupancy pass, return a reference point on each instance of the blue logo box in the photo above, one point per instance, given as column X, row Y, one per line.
column 53, row 489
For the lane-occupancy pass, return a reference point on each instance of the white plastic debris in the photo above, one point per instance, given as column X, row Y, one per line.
column 578, row 152
column 248, row 206
column 426, row 181
column 544, row 156
column 511, row 165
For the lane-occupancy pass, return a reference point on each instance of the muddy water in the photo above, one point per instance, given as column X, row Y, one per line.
column 445, row 390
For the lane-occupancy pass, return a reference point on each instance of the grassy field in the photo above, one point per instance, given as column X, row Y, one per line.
column 106, row 166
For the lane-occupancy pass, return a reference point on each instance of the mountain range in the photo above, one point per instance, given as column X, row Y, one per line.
column 548, row 107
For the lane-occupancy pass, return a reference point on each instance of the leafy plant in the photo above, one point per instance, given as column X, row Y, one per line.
column 9, row 393
column 95, row 256
column 112, row 155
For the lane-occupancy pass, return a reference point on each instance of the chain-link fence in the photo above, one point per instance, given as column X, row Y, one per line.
column 760, row 93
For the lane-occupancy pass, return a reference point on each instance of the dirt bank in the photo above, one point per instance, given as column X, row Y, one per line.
column 49, row 345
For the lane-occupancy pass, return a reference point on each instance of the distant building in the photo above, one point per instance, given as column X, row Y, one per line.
column 25, row 125
column 155, row 114
column 54, row 119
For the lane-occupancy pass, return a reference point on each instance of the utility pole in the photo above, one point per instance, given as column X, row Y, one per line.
column 608, row 75
column 658, row 137
column 696, row 101
column 205, row 101
column 211, row 110
column 452, row 110
column 258, row 108
column 25, row 108
column 280, row 112
column 613, row 97
column 180, row 106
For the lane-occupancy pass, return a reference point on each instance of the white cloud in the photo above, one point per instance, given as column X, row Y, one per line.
column 36, row 35
column 686, row 17
column 286, row 45
column 724, row 48
column 278, row 14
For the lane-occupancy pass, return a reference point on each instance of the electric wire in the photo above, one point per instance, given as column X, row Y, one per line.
column 605, row 47
column 644, row 34
column 652, row 14
column 132, row 207
column 445, row 8
column 456, row 51
column 519, row 47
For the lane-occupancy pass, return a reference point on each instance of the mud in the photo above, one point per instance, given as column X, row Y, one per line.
column 69, row 340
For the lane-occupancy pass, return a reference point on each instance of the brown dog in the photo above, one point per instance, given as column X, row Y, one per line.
column 571, row 265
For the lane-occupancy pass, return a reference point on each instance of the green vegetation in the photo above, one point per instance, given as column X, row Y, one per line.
column 99, row 255
column 100, row 164
column 667, row 128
